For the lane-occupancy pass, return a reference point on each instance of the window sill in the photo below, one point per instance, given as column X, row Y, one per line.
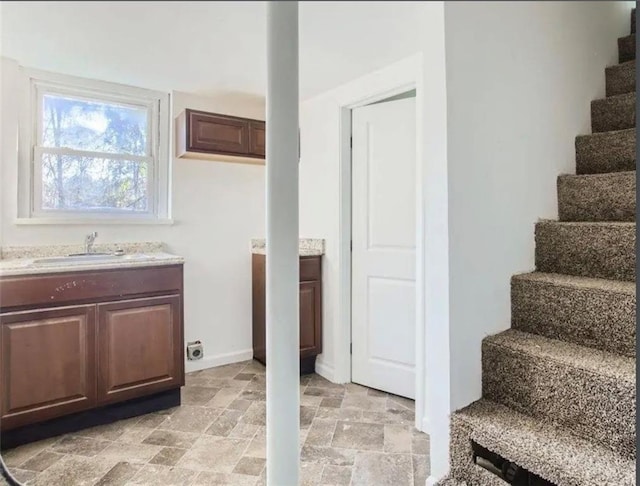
column 91, row 221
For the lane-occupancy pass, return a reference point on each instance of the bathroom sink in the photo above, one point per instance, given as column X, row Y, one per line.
column 88, row 258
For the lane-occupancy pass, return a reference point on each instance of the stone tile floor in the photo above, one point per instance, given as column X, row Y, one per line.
column 350, row 435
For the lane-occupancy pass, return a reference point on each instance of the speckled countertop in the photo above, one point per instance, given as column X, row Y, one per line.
column 308, row 246
column 32, row 260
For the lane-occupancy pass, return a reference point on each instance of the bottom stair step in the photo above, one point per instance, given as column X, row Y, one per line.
column 552, row 453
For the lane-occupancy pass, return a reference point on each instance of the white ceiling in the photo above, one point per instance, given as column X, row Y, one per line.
column 204, row 47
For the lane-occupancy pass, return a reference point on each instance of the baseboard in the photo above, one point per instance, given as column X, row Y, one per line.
column 426, row 425
column 218, row 360
column 325, row 370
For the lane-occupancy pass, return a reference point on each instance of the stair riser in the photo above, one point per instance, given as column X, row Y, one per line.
column 616, row 113
column 587, row 250
column 610, row 197
column 620, row 79
column 596, row 407
column 588, row 317
column 607, row 152
column 462, row 466
column 627, row 48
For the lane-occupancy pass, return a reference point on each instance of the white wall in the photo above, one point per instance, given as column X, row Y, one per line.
column 520, row 77
column 217, row 208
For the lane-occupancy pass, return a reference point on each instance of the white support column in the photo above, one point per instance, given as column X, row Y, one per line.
column 283, row 358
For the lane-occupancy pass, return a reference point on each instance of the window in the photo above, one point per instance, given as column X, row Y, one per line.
column 98, row 150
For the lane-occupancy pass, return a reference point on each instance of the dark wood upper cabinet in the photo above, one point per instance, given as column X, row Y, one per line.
column 220, row 137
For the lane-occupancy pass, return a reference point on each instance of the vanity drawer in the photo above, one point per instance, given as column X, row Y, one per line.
column 310, row 268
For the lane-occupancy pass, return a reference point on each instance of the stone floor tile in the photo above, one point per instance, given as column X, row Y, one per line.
column 355, row 389
column 253, row 395
column 23, row 476
column 244, row 431
column 225, row 423
column 421, row 469
column 224, row 398
column 134, row 453
column 256, row 414
column 331, row 402
column 365, row 403
column 307, row 415
column 420, row 444
column 168, row 456
column 250, row 466
column 258, row 445
column 41, row 461
column 376, row 393
column 191, row 419
column 324, row 392
column 382, row 469
column 311, row 400
column 134, row 435
column 239, row 404
column 258, row 382
column 357, row 435
column 119, row 474
column 80, row 446
column 344, row 414
column 321, row 432
column 327, row 455
column 244, row 376
column 207, row 478
column 151, row 420
column 153, row 474
column 218, row 454
column 198, row 395
column 171, row 438
column 16, row 456
column 397, row 438
column 336, row 476
column 311, row 474
column 73, row 470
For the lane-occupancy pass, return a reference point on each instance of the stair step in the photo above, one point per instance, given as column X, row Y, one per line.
column 621, row 78
column 598, row 250
column 613, row 113
column 552, row 453
column 591, row 312
column 531, row 374
column 633, row 21
column 597, row 197
column 627, row 48
column 606, row 152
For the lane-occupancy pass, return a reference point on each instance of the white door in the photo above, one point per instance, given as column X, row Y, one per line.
column 384, row 239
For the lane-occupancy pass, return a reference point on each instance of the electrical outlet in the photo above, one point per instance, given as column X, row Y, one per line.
column 195, row 350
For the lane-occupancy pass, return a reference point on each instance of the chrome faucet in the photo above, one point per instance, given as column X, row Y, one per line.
column 88, row 242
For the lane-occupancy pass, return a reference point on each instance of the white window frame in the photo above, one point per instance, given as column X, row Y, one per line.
column 40, row 83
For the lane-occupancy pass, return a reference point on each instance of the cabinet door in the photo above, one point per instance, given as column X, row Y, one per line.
column 47, row 364
column 257, row 138
column 139, row 347
column 216, row 133
column 310, row 319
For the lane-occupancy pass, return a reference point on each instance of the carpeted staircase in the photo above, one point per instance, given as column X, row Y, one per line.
column 559, row 386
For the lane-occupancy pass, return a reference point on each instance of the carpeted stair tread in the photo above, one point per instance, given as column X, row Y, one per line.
column 612, row 151
column 621, row 78
column 552, row 453
column 627, row 48
column 591, row 249
column 613, row 113
column 597, row 197
column 529, row 373
column 593, row 312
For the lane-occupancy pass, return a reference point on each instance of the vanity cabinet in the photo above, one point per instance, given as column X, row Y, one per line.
column 47, row 363
column 81, row 341
column 214, row 136
column 310, row 296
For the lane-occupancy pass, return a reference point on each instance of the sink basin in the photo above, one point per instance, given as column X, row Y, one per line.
column 88, row 258
column 76, row 259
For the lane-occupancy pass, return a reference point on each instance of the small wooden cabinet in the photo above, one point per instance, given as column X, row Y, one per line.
column 73, row 342
column 310, row 310
column 220, row 137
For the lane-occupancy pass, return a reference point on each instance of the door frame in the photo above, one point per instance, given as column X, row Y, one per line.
column 393, row 80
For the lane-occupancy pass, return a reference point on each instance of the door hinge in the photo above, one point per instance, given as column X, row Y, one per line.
column 350, row 348
column 351, row 245
column 351, row 142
